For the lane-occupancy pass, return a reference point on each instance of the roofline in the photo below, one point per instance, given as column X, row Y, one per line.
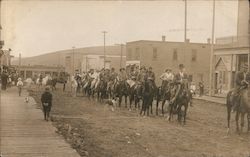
column 166, row 42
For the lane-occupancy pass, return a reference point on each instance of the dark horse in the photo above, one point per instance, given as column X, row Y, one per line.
column 180, row 98
column 242, row 107
column 122, row 89
column 162, row 94
column 148, row 91
column 101, row 90
column 135, row 95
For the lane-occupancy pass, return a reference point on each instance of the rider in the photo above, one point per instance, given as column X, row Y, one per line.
column 166, row 77
column 180, row 80
column 151, row 75
column 122, row 76
column 142, row 75
column 112, row 77
column 241, row 82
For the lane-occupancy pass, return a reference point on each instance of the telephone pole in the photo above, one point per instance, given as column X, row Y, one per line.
column 212, row 55
column 104, row 48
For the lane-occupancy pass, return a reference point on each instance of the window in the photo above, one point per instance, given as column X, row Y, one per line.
column 175, row 55
column 137, row 53
column 154, row 53
column 129, row 55
column 194, row 55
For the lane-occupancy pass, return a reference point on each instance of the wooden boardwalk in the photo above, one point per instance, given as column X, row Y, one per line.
column 23, row 131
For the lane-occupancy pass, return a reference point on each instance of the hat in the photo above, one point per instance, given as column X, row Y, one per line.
column 19, row 79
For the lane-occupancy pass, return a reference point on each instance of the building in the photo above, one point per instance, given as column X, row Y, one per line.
column 232, row 52
column 79, row 59
column 83, row 59
column 161, row 55
column 5, row 59
column 34, row 71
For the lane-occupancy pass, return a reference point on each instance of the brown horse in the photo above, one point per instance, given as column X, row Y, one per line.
column 242, row 107
column 180, row 99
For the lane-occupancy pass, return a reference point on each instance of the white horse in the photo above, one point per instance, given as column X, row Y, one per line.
column 44, row 81
column 74, row 85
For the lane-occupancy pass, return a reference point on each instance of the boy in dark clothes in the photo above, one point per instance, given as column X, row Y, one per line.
column 46, row 103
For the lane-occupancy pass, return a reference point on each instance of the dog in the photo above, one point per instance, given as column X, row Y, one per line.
column 112, row 102
column 27, row 99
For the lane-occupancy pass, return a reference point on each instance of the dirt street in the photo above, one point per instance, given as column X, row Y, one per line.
column 94, row 130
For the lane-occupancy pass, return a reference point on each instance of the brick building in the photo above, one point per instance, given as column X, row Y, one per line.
column 161, row 55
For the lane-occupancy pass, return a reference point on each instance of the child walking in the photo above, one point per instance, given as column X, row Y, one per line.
column 19, row 86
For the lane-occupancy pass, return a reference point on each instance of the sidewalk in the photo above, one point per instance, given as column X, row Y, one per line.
column 219, row 100
column 24, row 133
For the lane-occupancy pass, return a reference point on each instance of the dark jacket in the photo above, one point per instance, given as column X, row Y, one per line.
column 47, row 98
column 178, row 78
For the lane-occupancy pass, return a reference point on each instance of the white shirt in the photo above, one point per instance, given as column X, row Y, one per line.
column 167, row 76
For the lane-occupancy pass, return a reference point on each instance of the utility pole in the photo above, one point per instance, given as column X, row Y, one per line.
column 185, row 22
column 104, row 48
column 73, row 58
column 212, row 55
column 249, row 38
column 121, row 55
column 19, row 64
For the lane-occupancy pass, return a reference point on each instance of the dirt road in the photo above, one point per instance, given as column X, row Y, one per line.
column 94, row 130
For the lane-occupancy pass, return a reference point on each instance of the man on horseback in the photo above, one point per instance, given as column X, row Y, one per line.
column 151, row 76
column 181, row 82
column 241, row 81
column 166, row 78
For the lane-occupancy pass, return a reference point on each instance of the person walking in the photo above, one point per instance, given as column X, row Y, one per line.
column 46, row 100
column 19, row 86
column 4, row 80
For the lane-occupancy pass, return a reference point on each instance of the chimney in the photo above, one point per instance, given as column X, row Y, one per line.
column 163, row 38
column 208, row 40
column 187, row 41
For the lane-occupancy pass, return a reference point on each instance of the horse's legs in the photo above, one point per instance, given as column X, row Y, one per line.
column 237, row 121
column 125, row 97
column 185, row 114
column 120, row 100
column 130, row 101
column 151, row 105
column 242, row 122
column 157, row 104
column 248, row 121
column 228, row 117
column 162, row 106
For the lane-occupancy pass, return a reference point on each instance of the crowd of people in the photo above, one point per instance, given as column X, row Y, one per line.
column 136, row 75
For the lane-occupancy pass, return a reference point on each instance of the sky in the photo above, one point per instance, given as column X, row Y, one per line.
column 35, row 27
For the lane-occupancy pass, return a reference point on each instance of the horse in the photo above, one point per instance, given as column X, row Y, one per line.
column 132, row 92
column 242, row 107
column 111, row 89
column 101, row 90
column 148, row 91
column 122, row 89
column 74, row 85
column 162, row 94
column 180, row 98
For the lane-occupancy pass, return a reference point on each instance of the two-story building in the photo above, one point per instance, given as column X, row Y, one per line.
column 232, row 52
column 161, row 55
